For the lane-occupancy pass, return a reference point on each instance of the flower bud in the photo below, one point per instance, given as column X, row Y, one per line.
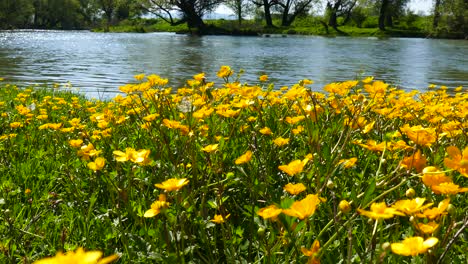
column 451, row 209
column 330, row 184
column 344, row 206
column 385, row 245
column 261, row 232
column 410, row 193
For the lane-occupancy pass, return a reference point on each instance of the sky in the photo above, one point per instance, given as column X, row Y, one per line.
column 417, row 6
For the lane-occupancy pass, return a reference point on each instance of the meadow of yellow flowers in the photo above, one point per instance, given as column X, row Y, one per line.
column 353, row 172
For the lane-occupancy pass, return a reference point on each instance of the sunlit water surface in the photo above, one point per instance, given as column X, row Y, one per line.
column 98, row 63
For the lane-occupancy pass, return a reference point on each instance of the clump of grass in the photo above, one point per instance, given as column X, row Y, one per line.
column 235, row 172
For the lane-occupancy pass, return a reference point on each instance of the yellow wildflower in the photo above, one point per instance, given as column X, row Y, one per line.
column 270, row 211
column 219, row 219
column 416, row 161
column 458, row 160
column 244, row 158
column 157, row 206
column 98, row 164
column 135, row 156
column 419, row 135
column 412, row 246
column 78, row 257
column 447, row 188
column 412, row 206
column 428, row 228
column 76, row 143
column 433, row 176
column 263, row 78
column 294, row 167
column 224, row 72
column 266, row 131
column 281, row 141
column 303, row 208
column 312, row 252
column 210, row 148
column 173, row 184
column 347, row 163
column 294, row 189
column 435, row 212
column 380, row 211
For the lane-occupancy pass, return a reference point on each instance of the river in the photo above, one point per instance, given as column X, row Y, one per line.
column 98, row 63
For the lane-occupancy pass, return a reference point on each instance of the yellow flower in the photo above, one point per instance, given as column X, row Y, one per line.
column 413, row 246
column 458, row 160
column 246, row 157
column 157, row 206
column 303, row 208
column 312, row 252
column 433, row 213
column 294, row 189
column 294, row 167
column 380, row 211
column 448, row 188
column 224, row 71
column 78, row 257
column 199, row 77
column 130, row 154
column 219, row 219
column 281, row 141
column 263, row 78
column 269, row 212
column 76, row 143
column 344, row 206
column 98, row 164
column 210, row 148
column 419, row 135
column 173, row 184
column 266, row 131
column 428, row 228
column 416, row 161
column 433, row 176
column 372, row 145
column 27, row 191
column 347, row 163
column 410, row 207
column 15, row 125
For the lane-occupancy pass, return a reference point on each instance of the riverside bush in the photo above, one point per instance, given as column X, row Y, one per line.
column 235, row 173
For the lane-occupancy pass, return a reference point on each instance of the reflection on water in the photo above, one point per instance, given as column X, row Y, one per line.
column 104, row 61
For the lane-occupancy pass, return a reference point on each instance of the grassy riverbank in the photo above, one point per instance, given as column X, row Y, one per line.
column 416, row 27
column 226, row 172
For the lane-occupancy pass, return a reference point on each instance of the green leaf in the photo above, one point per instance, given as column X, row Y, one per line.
column 368, row 194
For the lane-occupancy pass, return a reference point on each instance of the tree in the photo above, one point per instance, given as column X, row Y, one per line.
column 337, row 8
column 108, row 7
column 15, row 13
column 240, row 8
column 190, row 11
column 389, row 9
column 267, row 5
column 290, row 9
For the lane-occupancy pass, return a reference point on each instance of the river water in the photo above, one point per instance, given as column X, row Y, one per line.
column 98, row 63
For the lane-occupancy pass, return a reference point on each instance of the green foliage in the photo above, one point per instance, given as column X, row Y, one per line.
column 56, row 196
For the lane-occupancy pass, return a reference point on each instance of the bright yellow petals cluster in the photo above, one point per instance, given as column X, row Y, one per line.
column 173, row 184
column 433, row 213
column 380, row 211
column 269, row 212
column 244, row 158
column 294, row 167
column 458, row 160
column 157, row 206
column 136, row 156
column 97, row 164
column 347, row 163
column 419, row 135
column 219, row 219
column 88, row 151
column 294, row 189
column 75, row 143
column 410, row 207
column 439, row 182
column 210, row 148
column 224, row 72
column 413, row 246
column 312, row 252
column 304, row 208
column 80, row 256
column 416, row 161
column 280, row 142
column 428, row 228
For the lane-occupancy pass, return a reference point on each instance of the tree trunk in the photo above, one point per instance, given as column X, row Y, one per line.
column 266, row 8
column 435, row 21
column 383, row 12
column 239, row 12
column 284, row 18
